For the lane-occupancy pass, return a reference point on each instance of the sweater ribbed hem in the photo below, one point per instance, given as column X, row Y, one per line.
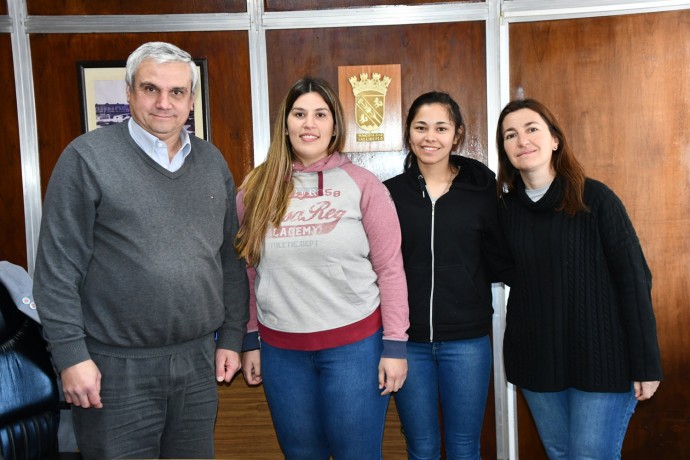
column 100, row 348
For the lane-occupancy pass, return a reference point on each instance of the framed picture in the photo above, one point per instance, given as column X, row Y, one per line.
column 104, row 100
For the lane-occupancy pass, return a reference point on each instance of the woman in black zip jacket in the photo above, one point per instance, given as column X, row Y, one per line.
column 452, row 249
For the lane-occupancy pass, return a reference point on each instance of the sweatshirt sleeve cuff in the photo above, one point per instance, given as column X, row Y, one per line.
column 394, row 349
column 251, row 341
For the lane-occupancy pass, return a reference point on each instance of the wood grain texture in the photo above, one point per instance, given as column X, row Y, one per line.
column 243, row 427
column 13, row 234
column 58, row 106
column 90, row 7
column 453, row 61
column 294, row 5
column 620, row 89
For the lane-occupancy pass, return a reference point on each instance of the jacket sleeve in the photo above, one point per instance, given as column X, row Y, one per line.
column 495, row 249
column 382, row 227
column 64, row 251
column 633, row 281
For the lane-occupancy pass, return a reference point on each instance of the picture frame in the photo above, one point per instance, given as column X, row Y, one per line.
column 104, row 100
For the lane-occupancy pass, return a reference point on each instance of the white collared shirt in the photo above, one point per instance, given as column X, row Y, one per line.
column 157, row 149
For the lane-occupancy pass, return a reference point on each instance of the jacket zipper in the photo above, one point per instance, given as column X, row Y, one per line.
column 433, row 274
column 422, row 186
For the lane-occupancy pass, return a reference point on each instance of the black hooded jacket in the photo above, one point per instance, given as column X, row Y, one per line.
column 452, row 251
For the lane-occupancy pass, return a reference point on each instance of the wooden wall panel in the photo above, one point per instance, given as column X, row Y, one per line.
column 620, row 87
column 454, row 61
column 294, row 5
column 58, row 99
column 13, row 233
column 90, row 7
column 3, row 8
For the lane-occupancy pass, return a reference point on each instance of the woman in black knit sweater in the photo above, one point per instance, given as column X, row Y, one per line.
column 580, row 337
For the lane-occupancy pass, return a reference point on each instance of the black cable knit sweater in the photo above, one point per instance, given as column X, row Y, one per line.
column 580, row 309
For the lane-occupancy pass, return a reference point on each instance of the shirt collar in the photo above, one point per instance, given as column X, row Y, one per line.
column 148, row 142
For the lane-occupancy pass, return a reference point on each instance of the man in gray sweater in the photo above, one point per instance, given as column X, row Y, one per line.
column 143, row 299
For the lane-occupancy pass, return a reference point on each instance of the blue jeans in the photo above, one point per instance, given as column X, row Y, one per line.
column 458, row 373
column 581, row 425
column 327, row 402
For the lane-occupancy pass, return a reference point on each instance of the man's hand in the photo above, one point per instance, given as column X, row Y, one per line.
column 81, row 385
column 227, row 364
column 251, row 367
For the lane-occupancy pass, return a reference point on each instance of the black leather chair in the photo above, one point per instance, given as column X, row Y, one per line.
column 29, row 401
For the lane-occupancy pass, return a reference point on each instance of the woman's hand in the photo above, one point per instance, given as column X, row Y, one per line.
column 392, row 374
column 251, row 367
column 645, row 390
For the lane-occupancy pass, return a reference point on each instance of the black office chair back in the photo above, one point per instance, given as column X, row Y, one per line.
column 28, row 390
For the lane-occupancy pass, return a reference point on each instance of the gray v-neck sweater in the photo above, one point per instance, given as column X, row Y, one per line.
column 136, row 257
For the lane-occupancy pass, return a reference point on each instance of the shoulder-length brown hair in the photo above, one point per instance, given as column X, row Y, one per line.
column 268, row 187
column 563, row 161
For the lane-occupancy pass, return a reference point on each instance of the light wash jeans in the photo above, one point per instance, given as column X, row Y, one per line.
column 327, row 402
column 458, row 373
column 581, row 425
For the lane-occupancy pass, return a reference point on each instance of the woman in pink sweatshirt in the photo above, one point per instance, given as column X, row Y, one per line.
column 329, row 299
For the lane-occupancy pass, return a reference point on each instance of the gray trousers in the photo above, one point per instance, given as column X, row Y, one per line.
column 161, row 406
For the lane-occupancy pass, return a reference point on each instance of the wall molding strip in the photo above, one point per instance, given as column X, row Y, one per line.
column 5, row 24
column 542, row 10
column 138, row 23
column 28, row 136
column 376, row 16
column 497, row 78
column 258, row 69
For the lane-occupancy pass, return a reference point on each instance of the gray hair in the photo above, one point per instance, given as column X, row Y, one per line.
column 160, row 52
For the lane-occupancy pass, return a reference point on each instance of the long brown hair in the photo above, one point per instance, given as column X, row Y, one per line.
column 268, row 187
column 563, row 161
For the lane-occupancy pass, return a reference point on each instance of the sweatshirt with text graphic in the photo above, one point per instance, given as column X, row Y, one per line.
column 332, row 273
